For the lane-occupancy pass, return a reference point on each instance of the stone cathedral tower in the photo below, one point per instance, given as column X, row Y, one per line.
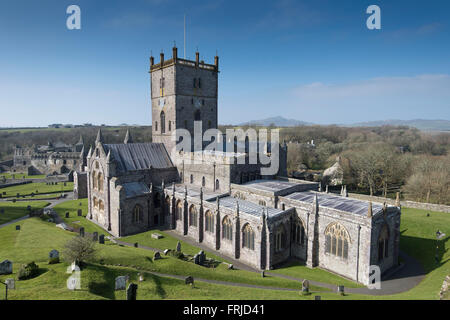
column 182, row 91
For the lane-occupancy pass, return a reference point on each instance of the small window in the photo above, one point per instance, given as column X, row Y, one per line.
column 217, row 184
column 192, row 178
column 203, row 181
column 170, row 125
column 199, row 82
column 156, row 125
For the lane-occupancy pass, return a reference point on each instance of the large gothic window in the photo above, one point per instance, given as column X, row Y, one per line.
column 248, row 237
column 383, row 243
column 193, row 216
column 280, row 238
column 137, row 214
column 298, row 232
column 337, row 240
column 163, row 122
column 100, row 181
column 209, row 221
column 179, row 211
column 227, row 229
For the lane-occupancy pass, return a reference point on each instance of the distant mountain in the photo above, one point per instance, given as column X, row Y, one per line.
column 421, row 124
column 276, row 121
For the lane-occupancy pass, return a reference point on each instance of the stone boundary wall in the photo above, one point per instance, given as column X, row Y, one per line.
column 405, row 203
column 12, row 184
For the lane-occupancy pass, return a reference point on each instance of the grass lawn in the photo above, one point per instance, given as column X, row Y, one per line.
column 20, row 175
column 74, row 220
column 36, row 188
column 19, row 209
column 39, row 196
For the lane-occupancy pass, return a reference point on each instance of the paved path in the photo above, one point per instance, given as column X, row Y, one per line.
column 402, row 280
column 14, row 221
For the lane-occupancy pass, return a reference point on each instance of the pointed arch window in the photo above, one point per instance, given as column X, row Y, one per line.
column 248, row 237
column 193, row 216
column 137, row 214
column 280, row 238
column 337, row 240
column 163, row 122
column 209, row 221
column 179, row 211
column 217, row 184
column 298, row 232
column 383, row 243
column 227, row 229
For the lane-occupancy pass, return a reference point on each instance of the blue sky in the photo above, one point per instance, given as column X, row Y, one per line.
column 314, row 61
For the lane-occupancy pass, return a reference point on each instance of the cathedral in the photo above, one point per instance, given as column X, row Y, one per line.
column 222, row 199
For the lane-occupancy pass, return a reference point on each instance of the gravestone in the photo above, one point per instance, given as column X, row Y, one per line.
column 230, row 266
column 65, row 184
column 53, row 254
column 202, row 257
column 141, row 277
column 317, row 298
column 156, row 236
column 95, row 236
column 17, row 227
column 29, row 208
column 80, row 212
column 101, row 239
column 80, row 204
column 136, row 245
column 189, row 280
column 166, row 251
column 341, row 290
column 263, row 274
column 10, row 284
column 67, row 214
column 121, row 283
column 82, row 232
column 157, row 256
column 197, row 259
column 18, row 195
column 178, row 246
column 305, row 286
column 132, row 291
column 6, row 267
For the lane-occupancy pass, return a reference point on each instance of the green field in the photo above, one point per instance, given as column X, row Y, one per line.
column 21, row 175
column 36, row 188
column 19, row 209
column 37, row 237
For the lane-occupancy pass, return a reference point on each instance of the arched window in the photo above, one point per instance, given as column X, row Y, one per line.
column 95, row 202
column 170, row 125
column 97, row 166
column 94, row 180
column 227, row 229
column 209, row 221
column 197, row 115
column 203, row 181
column 248, row 237
column 192, row 178
column 100, row 181
column 101, row 205
column 298, row 232
column 156, row 125
column 280, row 238
column 262, row 203
column 383, row 243
column 179, row 211
column 337, row 240
column 193, row 216
column 163, row 122
column 217, row 184
column 137, row 214
column 157, row 200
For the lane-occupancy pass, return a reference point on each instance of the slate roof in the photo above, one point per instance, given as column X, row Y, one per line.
column 248, row 207
column 139, row 156
column 135, row 189
column 193, row 191
column 327, row 200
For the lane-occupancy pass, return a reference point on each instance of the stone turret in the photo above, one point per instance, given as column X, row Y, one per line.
column 128, row 138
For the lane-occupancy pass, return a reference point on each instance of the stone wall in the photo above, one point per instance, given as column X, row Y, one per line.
column 80, row 185
column 404, row 203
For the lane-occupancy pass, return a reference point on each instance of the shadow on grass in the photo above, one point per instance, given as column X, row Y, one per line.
column 159, row 288
column 105, row 286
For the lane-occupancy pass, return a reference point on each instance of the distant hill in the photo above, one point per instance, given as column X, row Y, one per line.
column 277, row 121
column 425, row 125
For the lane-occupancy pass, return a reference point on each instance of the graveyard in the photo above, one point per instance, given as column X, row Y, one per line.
column 10, row 211
column 37, row 238
column 36, row 189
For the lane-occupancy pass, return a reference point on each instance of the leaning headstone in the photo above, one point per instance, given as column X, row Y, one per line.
column 157, row 256
column 189, row 280
column 341, row 290
column 82, row 232
column 6, row 267
column 166, row 251
column 18, row 227
column 67, row 214
column 121, row 283
column 305, row 286
column 53, row 254
column 132, row 291
column 80, row 212
column 95, row 236
column 10, row 284
column 178, row 246
column 230, row 266
column 101, row 239
column 201, row 257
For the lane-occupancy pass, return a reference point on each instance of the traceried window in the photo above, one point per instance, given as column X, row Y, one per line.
column 193, row 216
column 179, row 211
column 137, row 214
column 227, row 229
column 280, row 238
column 383, row 243
column 94, row 180
column 100, row 181
column 298, row 233
column 101, row 205
column 209, row 221
column 248, row 237
column 95, row 202
column 337, row 240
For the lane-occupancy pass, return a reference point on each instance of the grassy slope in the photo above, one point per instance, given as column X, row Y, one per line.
column 17, row 210
column 41, row 187
column 20, row 175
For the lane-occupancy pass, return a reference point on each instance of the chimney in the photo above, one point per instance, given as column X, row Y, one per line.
column 197, row 58
column 175, row 53
column 216, row 62
column 152, row 61
column 162, row 58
